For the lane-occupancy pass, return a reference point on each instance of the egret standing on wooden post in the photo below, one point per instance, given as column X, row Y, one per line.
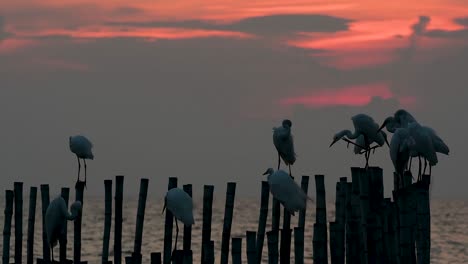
column 81, row 146
column 283, row 141
column 55, row 220
column 366, row 132
column 286, row 190
column 401, row 147
column 180, row 204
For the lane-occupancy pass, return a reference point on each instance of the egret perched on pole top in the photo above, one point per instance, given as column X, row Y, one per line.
column 283, row 141
column 180, row 204
column 401, row 147
column 55, row 220
column 366, row 132
column 286, row 190
column 81, row 146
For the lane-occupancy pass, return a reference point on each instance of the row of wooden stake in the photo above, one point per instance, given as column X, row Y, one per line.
column 367, row 227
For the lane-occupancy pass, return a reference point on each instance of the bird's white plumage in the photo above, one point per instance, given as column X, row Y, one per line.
column 284, row 144
column 423, row 146
column 400, row 148
column 366, row 126
column 286, row 190
column 56, row 217
column 180, row 204
column 81, row 146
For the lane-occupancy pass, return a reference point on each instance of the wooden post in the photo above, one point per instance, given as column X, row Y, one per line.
column 178, row 257
column 107, row 220
column 18, row 189
column 207, row 212
column 333, row 243
column 424, row 221
column 251, row 247
column 236, row 250
column 119, row 184
column 389, row 252
column 376, row 203
column 156, row 258
column 401, row 196
column 9, row 196
column 285, row 244
column 45, row 203
column 353, row 225
column 265, row 198
column 320, row 227
column 341, row 219
column 187, row 229
column 394, row 225
column 299, row 245
column 188, row 257
column 31, row 223
column 209, row 253
column 275, row 215
column 272, row 237
column 302, row 213
column 79, row 193
column 168, row 226
column 136, row 255
column 65, row 193
column 363, row 181
column 228, row 213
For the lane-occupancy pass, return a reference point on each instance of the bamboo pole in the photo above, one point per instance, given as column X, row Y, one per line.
column 118, row 219
column 45, row 203
column 168, row 226
column 107, row 220
column 236, row 250
column 298, row 245
column 136, row 255
column 272, row 237
column 424, row 221
column 302, row 213
column 401, row 197
column 79, row 193
column 187, row 229
column 265, row 197
column 376, row 194
column 364, row 180
column 353, row 244
column 275, row 215
column 31, row 223
column 18, row 189
column 333, row 242
column 65, row 193
column 228, row 214
column 251, row 247
column 320, row 227
column 207, row 212
column 285, row 243
column 156, row 258
column 188, row 256
column 340, row 220
column 9, row 196
column 209, row 253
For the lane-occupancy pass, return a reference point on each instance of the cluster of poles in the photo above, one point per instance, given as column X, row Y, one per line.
column 368, row 228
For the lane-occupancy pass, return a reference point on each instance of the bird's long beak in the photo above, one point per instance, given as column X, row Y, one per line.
column 164, row 208
column 386, row 141
column 334, row 141
column 383, row 125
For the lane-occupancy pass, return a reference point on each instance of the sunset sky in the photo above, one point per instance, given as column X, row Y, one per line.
column 192, row 88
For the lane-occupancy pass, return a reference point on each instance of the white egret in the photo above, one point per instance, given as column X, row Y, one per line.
column 55, row 220
column 180, row 204
column 401, row 147
column 423, row 147
column 286, row 190
column 366, row 132
column 81, row 146
column 283, row 141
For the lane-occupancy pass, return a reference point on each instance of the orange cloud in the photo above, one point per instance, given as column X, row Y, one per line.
column 358, row 95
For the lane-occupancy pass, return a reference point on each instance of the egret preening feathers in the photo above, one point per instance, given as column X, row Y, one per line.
column 286, row 190
column 55, row 219
column 180, row 204
column 283, row 141
column 366, row 132
column 81, row 146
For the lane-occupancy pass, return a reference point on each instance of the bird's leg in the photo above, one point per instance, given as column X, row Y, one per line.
column 425, row 166
column 177, row 234
column 279, row 161
column 419, row 171
column 84, row 160
column 290, row 175
column 430, row 170
column 350, row 142
column 79, row 168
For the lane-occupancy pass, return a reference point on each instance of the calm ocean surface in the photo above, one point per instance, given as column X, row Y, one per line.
column 449, row 229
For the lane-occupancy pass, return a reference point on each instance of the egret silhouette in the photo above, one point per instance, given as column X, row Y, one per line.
column 55, row 220
column 286, row 190
column 401, row 147
column 180, row 204
column 81, row 146
column 423, row 147
column 283, row 141
column 366, row 132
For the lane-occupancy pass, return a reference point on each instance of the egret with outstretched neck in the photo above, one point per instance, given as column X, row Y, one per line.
column 55, row 220
column 283, row 141
column 366, row 132
column 81, row 147
column 286, row 190
column 180, row 204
